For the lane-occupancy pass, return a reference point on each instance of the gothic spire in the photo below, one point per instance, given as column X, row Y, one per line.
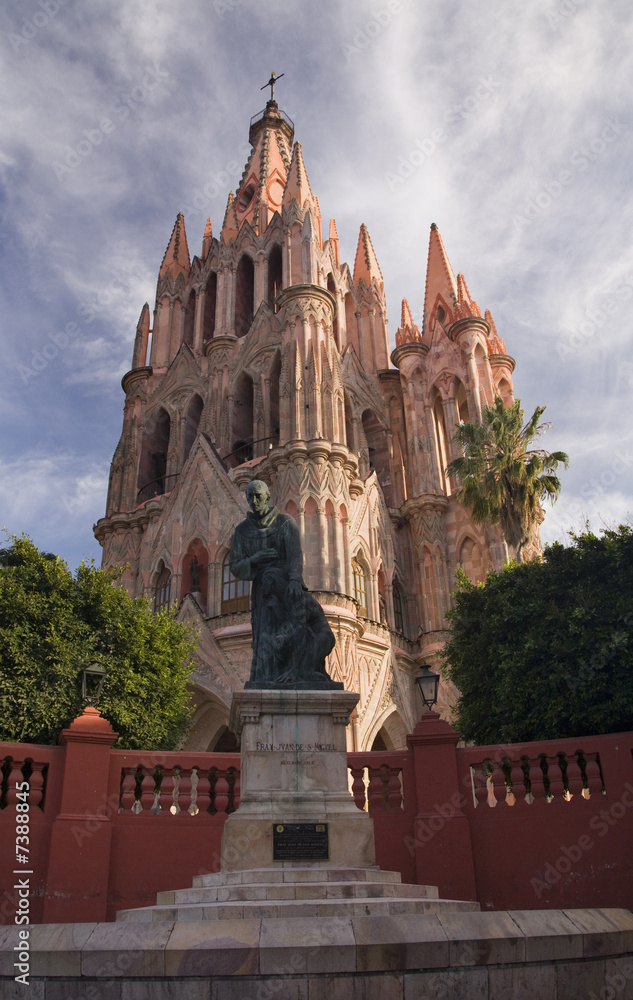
column 176, row 260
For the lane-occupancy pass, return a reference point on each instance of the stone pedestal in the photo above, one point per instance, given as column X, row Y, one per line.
column 294, row 770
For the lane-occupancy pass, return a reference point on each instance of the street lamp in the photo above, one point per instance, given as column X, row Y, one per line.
column 428, row 683
column 92, row 679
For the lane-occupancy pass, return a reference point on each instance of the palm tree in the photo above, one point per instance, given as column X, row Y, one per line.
column 503, row 480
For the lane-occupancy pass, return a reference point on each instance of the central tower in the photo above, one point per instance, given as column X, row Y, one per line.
column 268, row 358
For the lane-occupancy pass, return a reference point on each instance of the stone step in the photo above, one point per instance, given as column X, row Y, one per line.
column 294, row 908
column 260, row 891
column 296, row 873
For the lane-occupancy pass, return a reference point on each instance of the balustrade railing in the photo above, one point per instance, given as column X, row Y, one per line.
column 532, row 778
column 173, row 791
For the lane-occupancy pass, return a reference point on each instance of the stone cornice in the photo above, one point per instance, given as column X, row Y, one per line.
column 502, row 361
column 135, row 375
column 292, row 292
column 415, row 349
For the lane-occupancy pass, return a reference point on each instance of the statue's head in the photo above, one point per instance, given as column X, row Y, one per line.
column 257, row 496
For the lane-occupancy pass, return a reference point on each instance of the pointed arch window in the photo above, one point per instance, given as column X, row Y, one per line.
column 162, row 589
column 235, row 593
column 398, row 608
column 360, row 587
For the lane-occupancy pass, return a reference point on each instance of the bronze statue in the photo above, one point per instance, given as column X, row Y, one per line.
column 291, row 636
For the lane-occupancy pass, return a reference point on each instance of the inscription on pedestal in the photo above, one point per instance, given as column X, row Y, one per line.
column 300, row 842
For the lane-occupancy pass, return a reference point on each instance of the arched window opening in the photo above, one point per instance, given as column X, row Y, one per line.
column 470, row 560
column 210, row 301
column 192, row 421
column 482, row 367
column 461, row 401
column 349, row 426
column 378, row 446
column 152, row 479
column 274, row 276
column 242, row 443
column 331, row 287
column 360, row 587
column 398, row 608
column 244, row 296
column 274, row 400
column 440, row 440
column 235, row 593
column 190, row 318
column 162, row 589
column 380, row 742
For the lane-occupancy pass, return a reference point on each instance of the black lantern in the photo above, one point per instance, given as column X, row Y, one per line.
column 92, row 679
column 428, row 683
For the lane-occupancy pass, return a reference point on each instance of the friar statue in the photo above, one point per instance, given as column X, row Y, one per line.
column 291, row 636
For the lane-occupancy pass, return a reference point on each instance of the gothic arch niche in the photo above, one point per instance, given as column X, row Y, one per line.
column 441, row 440
column 291, row 508
column 360, row 581
column 429, row 591
column 392, row 735
column 378, row 447
column 176, row 329
column 194, row 571
column 351, row 326
column 504, row 390
column 244, row 295
column 242, row 431
column 350, row 441
column 311, row 541
column 461, row 402
column 482, row 369
column 161, row 587
column 153, row 465
column 209, row 723
column 190, row 318
column 274, row 276
column 192, row 422
column 210, row 300
column 471, row 560
column 331, row 287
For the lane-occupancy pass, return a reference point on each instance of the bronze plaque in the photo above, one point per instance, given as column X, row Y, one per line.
column 300, row 842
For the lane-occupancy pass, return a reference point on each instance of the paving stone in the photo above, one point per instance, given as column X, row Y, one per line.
column 213, row 948
column 56, row 948
column 153, row 989
column 126, row 949
column 531, row 982
column 549, row 935
column 83, row 989
column 10, row 990
column 307, row 945
column 262, row 988
column 605, row 931
column 405, row 942
column 579, row 979
column 482, row 938
column 463, row 984
column 380, row 987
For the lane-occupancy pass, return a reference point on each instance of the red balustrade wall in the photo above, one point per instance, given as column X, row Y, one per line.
column 111, row 828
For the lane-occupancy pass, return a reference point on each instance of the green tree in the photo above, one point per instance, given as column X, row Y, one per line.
column 502, row 478
column 53, row 623
column 544, row 650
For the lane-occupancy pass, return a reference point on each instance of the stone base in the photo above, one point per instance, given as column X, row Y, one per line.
column 294, row 770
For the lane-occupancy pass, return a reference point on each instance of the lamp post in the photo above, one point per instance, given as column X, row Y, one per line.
column 427, row 683
column 92, row 679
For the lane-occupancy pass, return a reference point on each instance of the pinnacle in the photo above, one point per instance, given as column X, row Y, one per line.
column 176, row 259
column 366, row 263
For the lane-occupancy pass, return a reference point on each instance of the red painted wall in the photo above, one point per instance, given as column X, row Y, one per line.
column 116, row 827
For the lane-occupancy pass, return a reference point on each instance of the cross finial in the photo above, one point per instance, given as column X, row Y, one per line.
column 271, row 83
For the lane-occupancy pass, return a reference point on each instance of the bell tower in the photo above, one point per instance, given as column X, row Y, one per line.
column 267, row 357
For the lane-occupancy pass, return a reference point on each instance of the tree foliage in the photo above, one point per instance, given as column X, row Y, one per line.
column 504, row 479
column 52, row 624
column 544, row 650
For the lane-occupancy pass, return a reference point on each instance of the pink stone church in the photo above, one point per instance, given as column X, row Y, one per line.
column 267, row 357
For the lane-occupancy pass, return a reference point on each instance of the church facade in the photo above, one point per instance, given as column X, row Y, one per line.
column 266, row 357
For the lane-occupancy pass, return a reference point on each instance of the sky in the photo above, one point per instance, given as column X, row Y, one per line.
column 507, row 124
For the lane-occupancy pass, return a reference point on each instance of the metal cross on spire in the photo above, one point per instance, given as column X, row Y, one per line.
column 271, row 83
